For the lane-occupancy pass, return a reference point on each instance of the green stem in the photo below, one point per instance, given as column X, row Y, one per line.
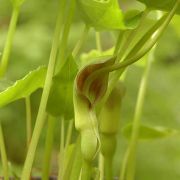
column 67, row 162
column 123, row 167
column 3, row 69
column 61, row 153
column 42, row 108
column 8, row 44
column 48, row 147
column 131, row 36
column 98, row 41
column 137, row 118
column 119, row 42
column 69, row 134
column 101, row 166
column 86, row 170
column 65, row 35
column 108, row 168
column 77, row 162
column 81, row 42
column 28, row 120
column 3, row 156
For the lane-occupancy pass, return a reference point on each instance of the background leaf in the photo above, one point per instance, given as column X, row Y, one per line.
column 165, row 5
column 94, row 55
column 149, row 132
column 61, row 95
column 23, row 87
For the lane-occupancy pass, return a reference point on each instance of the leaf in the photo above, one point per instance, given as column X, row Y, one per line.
column 60, row 100
column 101, row 14
column 107, row 15
column 23, row 87
column 165, row 5
column 4, row 84
column 149, row 132
column 94, row 55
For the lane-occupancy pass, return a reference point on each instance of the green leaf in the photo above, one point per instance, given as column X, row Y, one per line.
column 107, row 15
column 61, row 95
column 23, row 87
column 165, row 5
column 94, row 55
column 149, row 132
column 101, row 14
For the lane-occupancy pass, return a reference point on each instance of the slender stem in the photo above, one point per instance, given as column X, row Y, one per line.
column 131, row 36
column 3, row 156
column 48, row 147
column 3, row 69
column 119, row 42
column 28, row 119
column 101, row 166
column 65, row 35
column 67, row 161
column 98, row 41
column 123, row 167
column 81, row 42
column 69, row 134
column 77, row 163
column 8, row 44
column 108, row 168
column 42, row 109
column 62, row 153
column 86, row 170
column 137, row 118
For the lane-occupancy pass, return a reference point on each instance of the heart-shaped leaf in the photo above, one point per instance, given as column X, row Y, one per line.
column 23, row 87
column 101, row 14
column 149, row 132
column 61, row 95
column 107, row 15
column 165, row 5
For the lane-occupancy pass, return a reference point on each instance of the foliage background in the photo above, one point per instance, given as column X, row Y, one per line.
column 156, row 160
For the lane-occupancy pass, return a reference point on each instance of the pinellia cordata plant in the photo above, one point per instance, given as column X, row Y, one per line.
column 87, row 91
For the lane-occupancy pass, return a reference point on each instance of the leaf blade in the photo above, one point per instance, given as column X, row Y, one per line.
column 147, row 132
column 23, row 87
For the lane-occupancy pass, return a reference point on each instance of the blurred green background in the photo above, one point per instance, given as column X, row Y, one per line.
column 156, row 160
